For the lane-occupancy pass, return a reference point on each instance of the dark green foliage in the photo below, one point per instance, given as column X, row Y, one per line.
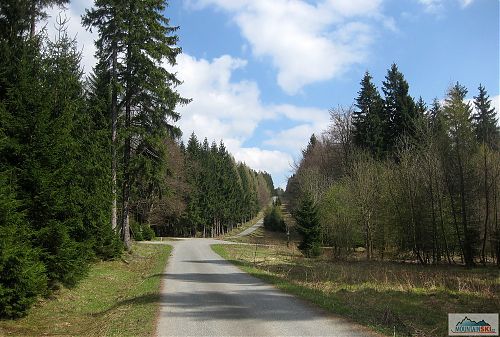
column 461, row 179
column 22, row 275
column 308, row 226
column 141, row 232
column 52, row 151
column 142, row 88
column 369, row 120
column 218, row 193
column 399, row 107
column 485, row 121
column 273, row 220
column 148, row 234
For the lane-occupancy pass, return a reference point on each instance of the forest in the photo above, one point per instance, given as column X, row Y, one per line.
column 87, row 163
column 400, row 180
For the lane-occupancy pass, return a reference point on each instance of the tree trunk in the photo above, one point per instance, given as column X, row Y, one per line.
column 32, row 18
column 487, row 210
column 468, row 253
column 114, row 118
column 126, row 181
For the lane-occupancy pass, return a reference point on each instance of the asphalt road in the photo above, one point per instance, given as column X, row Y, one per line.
column 204, row 295
column 252, row 229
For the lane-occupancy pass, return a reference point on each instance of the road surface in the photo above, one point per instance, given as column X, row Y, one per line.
column 204, row 295
column 250, row 230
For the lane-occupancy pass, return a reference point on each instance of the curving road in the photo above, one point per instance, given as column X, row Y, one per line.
column 251, row 229
column 204, row 295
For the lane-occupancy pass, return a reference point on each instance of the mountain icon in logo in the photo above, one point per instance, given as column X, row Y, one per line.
column 467, row 322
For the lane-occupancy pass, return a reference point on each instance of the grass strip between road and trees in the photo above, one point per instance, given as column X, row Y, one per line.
column 405, row 299
column 117, row 298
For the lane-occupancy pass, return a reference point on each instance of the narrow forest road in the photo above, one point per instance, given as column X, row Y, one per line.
column 250, row 230
column 204, row 295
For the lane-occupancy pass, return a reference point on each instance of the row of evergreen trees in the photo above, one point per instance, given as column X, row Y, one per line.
column 205, row 192
column 403, row 180
column 54, row 172
column 221, row 193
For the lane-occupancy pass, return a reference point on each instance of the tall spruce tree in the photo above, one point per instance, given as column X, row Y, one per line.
column 137, row 38
column 399, row 107
column 368, row 120
column 108, row 16
column 485, row 121
column 460, row 169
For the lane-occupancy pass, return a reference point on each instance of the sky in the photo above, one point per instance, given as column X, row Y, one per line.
column 263, row 74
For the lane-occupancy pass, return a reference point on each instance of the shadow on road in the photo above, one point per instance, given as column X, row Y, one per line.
column 242, row 305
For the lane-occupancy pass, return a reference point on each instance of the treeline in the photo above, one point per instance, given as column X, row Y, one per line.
column 55, row 166
column 403, row 180
column 210, row 193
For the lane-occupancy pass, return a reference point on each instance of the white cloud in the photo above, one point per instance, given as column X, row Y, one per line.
column 85, row 39
column 465, row 3
column 223, row 109
column 294, row 138
column 436, row 6
column 496, row 104
column 277, row 163
column 306, row 42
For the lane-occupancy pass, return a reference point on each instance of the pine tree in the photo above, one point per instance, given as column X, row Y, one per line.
column 368, row 120
column 141, row 33
column 308, row 225
column 108, row 16
column 399, row 107
column 460, row 170
column 484, row 119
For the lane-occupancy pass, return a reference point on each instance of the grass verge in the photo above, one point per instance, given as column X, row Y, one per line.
column 118, row 298
column 411, row 300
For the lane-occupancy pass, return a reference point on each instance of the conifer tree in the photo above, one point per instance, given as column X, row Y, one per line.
column 485, row 121
column 308, row 225
column 140, row 34
column 368, row 120
column 461, row 179
column 398, row 106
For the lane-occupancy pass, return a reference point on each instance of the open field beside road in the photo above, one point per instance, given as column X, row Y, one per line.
column 118, row 298
column 412, row 300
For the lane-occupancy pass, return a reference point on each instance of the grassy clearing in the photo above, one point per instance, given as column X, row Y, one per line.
column 117, row 298
column 412, row 298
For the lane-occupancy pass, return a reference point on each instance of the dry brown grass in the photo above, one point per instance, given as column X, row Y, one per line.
column 413, row 298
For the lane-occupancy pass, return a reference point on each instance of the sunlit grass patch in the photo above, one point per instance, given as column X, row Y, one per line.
column 118, row 298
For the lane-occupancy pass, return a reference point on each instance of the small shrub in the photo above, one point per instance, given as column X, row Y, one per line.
column 136, row 230
column 141, row 232
column 308, row 225
column 273, row 220
column 148, row 233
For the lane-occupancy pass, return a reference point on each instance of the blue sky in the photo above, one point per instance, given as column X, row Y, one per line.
column 263, row 73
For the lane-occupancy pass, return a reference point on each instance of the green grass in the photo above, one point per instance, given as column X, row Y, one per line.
column 413, row 299
column 118, row 298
